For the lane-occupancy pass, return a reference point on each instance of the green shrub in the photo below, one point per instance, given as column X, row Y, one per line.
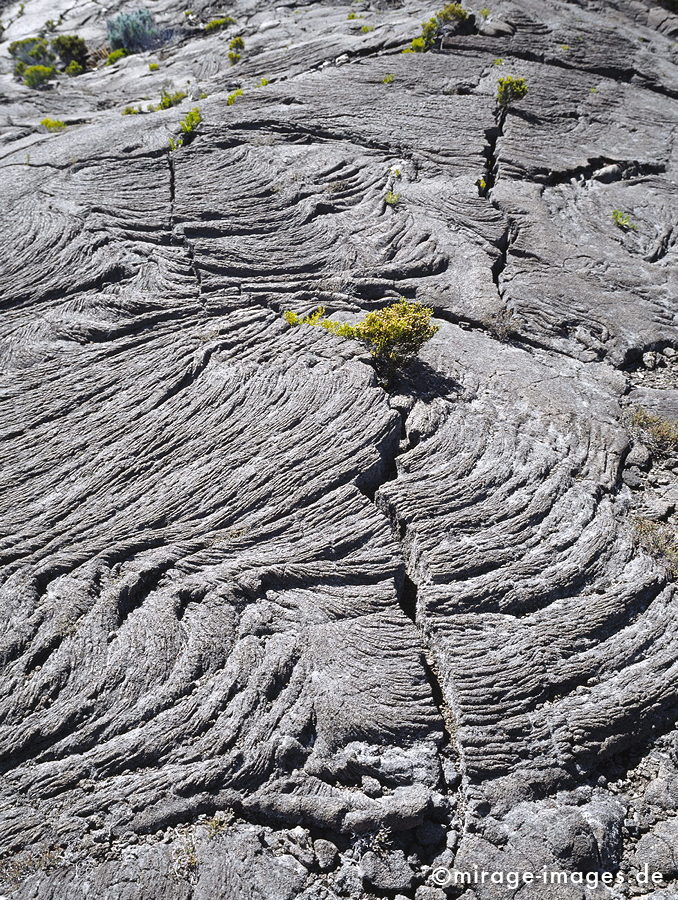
column 70, row 48
column 498, row 61
column 623, row 220
column 367, row 28
column 74, row 68
column 50, row 25
column 188, row 126
column 115, row 55
column 393, row 335
column 218, row 24
column 431, row 29
column 131, row 111
column 168, row 100
column 388, row 79
column 510, row 90
column 153, row 67
column 391, row 199
column 38, row 76
column 132, row 31
column 353, row 15
column 263, row 82
column 484, row 12
column 230, row 100
column 53, row 124
column 660, row 434
column 31, row 52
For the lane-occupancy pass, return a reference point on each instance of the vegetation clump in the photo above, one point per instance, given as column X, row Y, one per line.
column 431, row 29
column 510, row 90
column 230, row 100
column 659, row 541
column 33, row 51
column 38, row 76
column 169, row 99
column 115, row 55
column 623, row 220
column 660, row 434
column 218, row 24
column 188, row 126
column 74, row 68
column 391, row 198
column 367, row 28
column 53, row 124
column 393, row 335
column 235, row 45
column 70, row 48
column 263, row 83
column 132, row 31
column 153, row 67
column 388, row 79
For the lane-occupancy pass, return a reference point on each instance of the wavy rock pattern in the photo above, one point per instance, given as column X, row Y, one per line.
column 271, row 631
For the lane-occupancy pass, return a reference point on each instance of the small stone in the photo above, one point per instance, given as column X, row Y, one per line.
column 326, row 854
column 649, row 360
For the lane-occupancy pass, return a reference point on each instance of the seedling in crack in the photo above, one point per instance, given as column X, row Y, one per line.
column 431, row 29
column 394, row 335
column 510, row 90
column 623, row 220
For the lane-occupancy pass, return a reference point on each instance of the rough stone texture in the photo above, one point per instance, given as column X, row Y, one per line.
column 269, row 630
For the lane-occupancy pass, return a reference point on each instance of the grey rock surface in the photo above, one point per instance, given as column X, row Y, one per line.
column 271, row 631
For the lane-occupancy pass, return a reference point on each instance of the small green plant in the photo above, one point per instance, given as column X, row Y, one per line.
column 230, row 100
column 393, row 335
column 22, row 9
column 482, row 184
column 659, row 541
column 53, row 124
column 367, row 28
column 188, row 126
column 74, row 68
column 388, row 79
column 623, row 220
column 133, row 31
column 431, row 29
column 168, row 99
column 391, row 199
column 510, row 90
column 498, row 61
column 593, row 90
column 263, row 82
column 131, row 111
column 484, row 13
column 50, row 25
column 218, row 24
column 153, row 67
column 38, row 76
column 70, row 48
column 115, row 55
column 235, row 45
column 565, row 47
column 660, row 434
column 353, row 15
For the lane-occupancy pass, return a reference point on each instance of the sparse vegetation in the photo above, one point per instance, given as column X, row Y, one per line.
column 658, row 433
column 394, row 335
column 132, row 31
column 153, row 67
column 659, row 541
column 53, row 124
column 484, row 13
column 115, row 56
column 131, row 111
column 230, row 100
column 623, row 220
column 38, row 76
column 431, row 29
column 74, row 68
column 70, row 48
column 388, row 79
column 510, row 90
column 169, row 99
column 235, row 45
column 353, row 15
column 218, row 24
column 498, row 61
column 367, row 28
column 391, row 199
column 32, row 51
column 263, row 82
column 188, row 126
